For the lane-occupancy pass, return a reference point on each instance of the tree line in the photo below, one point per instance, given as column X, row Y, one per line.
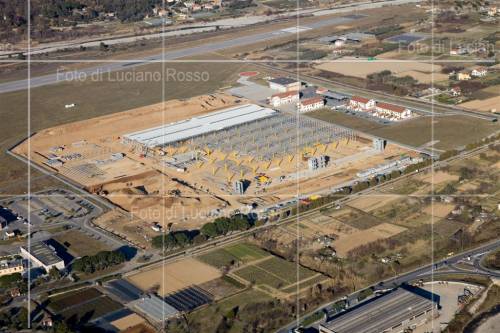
column 219, row 227
column 99, row 261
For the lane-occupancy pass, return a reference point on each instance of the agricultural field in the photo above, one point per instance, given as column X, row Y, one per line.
column 239, row 253
column 85, row 312
column 420, row 71
column 60, row 302
column 253, row 266
column 207, row 318
column 82, row 306
column 396, row 227
column 172, row 277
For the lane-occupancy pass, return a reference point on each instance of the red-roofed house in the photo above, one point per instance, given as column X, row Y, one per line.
column 284, row 98
column 391, row 111
column 359, row 103
column 455, row 91
column 310, row 104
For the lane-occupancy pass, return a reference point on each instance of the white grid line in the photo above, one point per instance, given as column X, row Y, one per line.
column 298, row 61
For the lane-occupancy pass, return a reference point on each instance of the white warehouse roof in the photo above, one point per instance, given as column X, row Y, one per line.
column 189, row 128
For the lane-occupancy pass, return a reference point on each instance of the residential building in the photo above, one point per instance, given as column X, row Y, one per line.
column 479, row 72
column 463, row 76
column 395, row 112
column 8, row 267
column 311, row 104
column 359, row 103
column 42, row 255
column 455, row 91
column 458, row 51
column 397, row 311
column 284, row 84
column 284, row 98
column 492, row 11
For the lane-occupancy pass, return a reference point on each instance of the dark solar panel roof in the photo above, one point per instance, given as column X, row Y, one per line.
column 189, row 299
column 282, row 80
column 124, row 290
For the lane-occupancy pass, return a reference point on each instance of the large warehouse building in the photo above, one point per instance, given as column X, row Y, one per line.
column 190, row 128
column 42, row 255
column 403, row 308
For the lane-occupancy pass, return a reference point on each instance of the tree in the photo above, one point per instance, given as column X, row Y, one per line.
column 209, row 230
column 223, row 225
column 61, row 327
column 54, row 274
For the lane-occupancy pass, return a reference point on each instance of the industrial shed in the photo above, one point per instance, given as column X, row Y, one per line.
column 190, row 128
column 393, row 312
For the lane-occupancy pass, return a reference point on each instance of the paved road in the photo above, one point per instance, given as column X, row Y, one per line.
column 419, row 105
column 197, row 27
column 427, row 271
column 197, row 50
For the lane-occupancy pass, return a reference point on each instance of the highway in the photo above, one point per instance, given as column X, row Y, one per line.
column 43, row 80
column 167, row 55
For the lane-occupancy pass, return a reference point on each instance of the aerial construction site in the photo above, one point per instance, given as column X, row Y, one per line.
column 183, row 162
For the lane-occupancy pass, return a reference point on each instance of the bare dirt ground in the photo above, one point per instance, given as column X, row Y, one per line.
column 79, row 244
column 439, row 209
column 125, row 225
column 128, row 321
column 419, row 70
column 486, row 105
column 373, row 201
column 133, row 182
column 140, row 183
column 438, row 177
column 385, row 230
column 172, row 277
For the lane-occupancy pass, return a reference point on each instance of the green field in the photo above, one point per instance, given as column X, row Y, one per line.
column 285, row 270
column 259, row 276
column 208, row 318
column 305, row 284
column 235, row 253
column 274, row 272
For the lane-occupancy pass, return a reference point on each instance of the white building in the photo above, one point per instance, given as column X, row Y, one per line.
column 8, row 267
column 359, row 103
column 479, row 72
column 284, row 98
column 41, row 255
column 455, row 91
column 310, row 104
column 284, row 84
column 391, row 111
